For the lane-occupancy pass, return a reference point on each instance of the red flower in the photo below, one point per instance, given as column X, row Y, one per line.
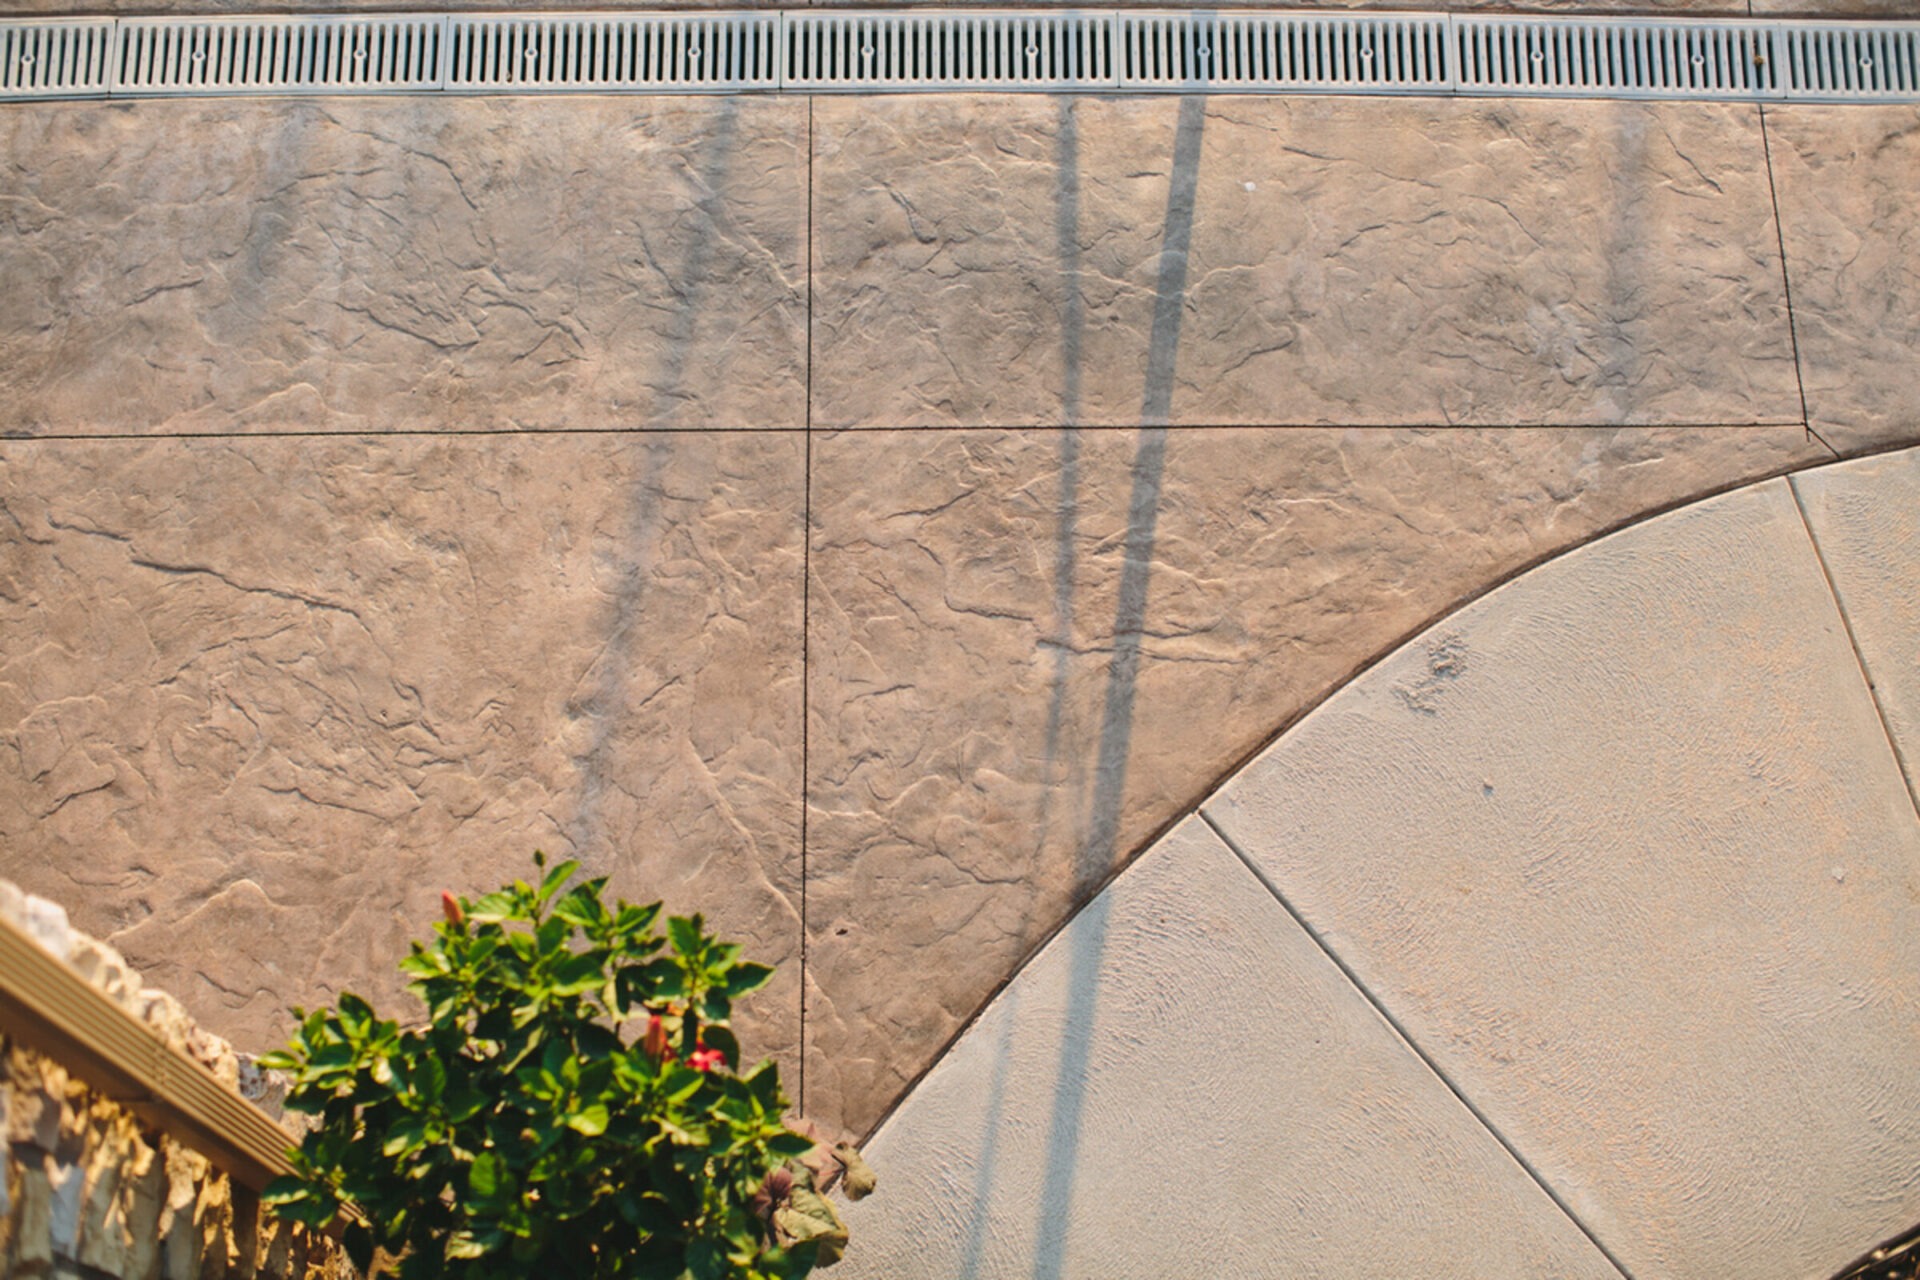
column 451, row 905
column 706, row 1059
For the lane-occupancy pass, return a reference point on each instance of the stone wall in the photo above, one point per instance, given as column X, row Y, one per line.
column 91, row 1193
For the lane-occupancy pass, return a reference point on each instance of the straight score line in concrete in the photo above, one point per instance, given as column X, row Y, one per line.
column 1900, row 762
column 1406, row 1038
column 75, row 437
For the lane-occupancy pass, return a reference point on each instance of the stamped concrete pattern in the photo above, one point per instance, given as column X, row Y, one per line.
column 1182, row 1084
column 1845, row 182
column 261, row 701
column 1031, row 650
column 995, row 261
column 1624, row 848
column 402, row 263
column 1865, row 518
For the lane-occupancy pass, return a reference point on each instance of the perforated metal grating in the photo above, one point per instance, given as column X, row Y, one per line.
column 965, row 50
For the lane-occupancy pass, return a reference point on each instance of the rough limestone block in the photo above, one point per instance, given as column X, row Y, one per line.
column 1865, row 518
column 1180, row 1075
column 46, row 922
column 333, row 677
column 1846, row 177
column 1008, row 260
column 983, row 751
column 402, row 264
column 1624, row 848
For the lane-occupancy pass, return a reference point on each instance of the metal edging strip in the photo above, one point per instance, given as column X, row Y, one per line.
column 1264, row 51
column 49, row 1007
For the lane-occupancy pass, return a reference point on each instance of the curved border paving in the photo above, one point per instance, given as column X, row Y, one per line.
column 1625, row 852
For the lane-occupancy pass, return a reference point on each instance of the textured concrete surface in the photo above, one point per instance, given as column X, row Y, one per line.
column 402, row 264
column 1183, row 1085
column 1624, row 848
column 1845, row 181
column 994, row 261
column 260, row 701
column 1002, row 710
column 1865, row 518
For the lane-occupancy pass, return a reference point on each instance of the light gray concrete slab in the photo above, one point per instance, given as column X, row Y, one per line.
column 1865, row 518
column 1624, row 849
column 261, row 700
column 1182, row 1085
column 402, row 264
column 1846, row 178
column 1007, row 260
column 1003, row 711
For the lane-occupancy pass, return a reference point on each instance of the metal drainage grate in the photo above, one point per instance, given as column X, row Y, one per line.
column 200, row 56
column 651, row 52
column 67, row 59
column 1244, row 51
column 1618, row 58
column 968, row 50
column 848, row 51
column 1841, row 62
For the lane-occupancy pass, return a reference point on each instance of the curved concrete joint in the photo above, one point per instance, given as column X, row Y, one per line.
column 1622, row 850
column 1182, row 1084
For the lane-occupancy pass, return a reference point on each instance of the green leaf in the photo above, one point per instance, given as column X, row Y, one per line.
column 277, row 1060
column 684, row 931
column 405, row 1135
column 747, row 977
column 706, row 1260
column 489, row 1178
column 591, row 1121
column 555, row 878
column 494, row 907
column 286, row 1189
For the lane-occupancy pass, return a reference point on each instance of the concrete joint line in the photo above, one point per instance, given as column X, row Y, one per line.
column 1406, row 1039
column 1900, row 762
column 1032, row 50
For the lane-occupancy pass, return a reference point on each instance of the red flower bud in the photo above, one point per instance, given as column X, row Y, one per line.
column 706, row 1059
column 655, row 1043
column 451, row 906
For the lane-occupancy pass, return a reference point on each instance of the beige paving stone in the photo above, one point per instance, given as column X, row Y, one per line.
column 993, row 729
column 1846, row 177
column 1623, row 848
column 991, row 261
column 1865, row 518
column 1183, row 1084
column 262, row 700
column 402, row 263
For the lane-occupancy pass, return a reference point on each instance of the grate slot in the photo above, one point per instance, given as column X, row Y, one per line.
column 55, row 59
column 682, row 53
column 1618, row 58
column 210, row 56
column 970, row 50
column 1842, row 62
column 1239, row 52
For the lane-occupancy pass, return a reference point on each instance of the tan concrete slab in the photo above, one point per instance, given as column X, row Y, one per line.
column 1623, row 847
column 1182, row 1084
column 1865, row 518
column 402, row 263
column 1846, row 177
column 262, row 700
column 1001, row 714
column 990, row 261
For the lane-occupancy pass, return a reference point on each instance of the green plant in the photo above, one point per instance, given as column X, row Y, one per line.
column 572, row 1108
